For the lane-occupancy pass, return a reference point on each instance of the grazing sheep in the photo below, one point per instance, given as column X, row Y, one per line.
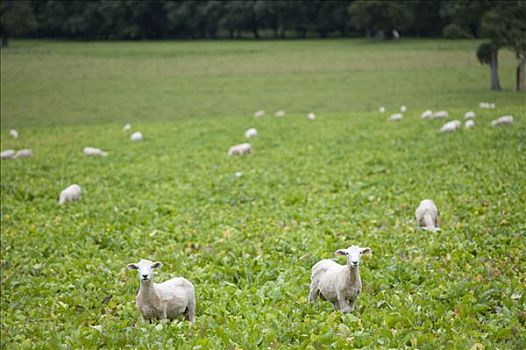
column 165, row 300
column 396, row 117
column 339, row 284
column 440, row 114
column 451, row 126
column 259, row 114
column 241, row 149
column 382, row 109
column 126, row 127
column 94, row 152
column 251, row 133
column 469, row 115
column 7, row 154
column 504, row 120
column 427, row 215
column 13, row 133
column 486, row 105
column 469, row 124
column 280, row 114
column 427, row 114
column 311, row 116
column 70, row 194
column 403, row 109
column 24, row 153
column 136, row 136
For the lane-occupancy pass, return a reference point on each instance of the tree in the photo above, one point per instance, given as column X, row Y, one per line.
column 383, row 16
column 16, row 19
column 505, row 25
column 487, row 53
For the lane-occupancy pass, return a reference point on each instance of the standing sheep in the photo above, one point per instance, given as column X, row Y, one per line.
column 311, row 116
column 7, row 154
column 136, row 136
column 70, row 194
column 427, row 215
column 126, row 127
column 469, row 115
column 403, row 109
column 504, row 120
column 396, row 117
column 381, row 109
column 469, row 124
column 259, row 114
column 339, row 284
column 440, row 114
column 427, row 114
column 280, row 114
column 165, row 300
column 13, row 133
column 252, row 132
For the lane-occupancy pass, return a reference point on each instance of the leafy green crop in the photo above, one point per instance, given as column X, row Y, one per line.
column 248, row 243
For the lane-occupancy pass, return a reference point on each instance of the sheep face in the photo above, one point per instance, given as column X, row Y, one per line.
column 145, row 269
column 353, row 254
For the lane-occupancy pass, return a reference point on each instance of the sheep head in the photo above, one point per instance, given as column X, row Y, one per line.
column 145, row 269
column 353, row 254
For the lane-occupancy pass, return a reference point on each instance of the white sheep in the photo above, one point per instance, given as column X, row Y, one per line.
column 396, row 117
column 311, row 116
column 136, row 136
column 241, row 149
column 403, row 109
column 94, row 152
column 259, row 114
column 486, row 105
column 339, row 284
column 451, row 126
column 440, row 114
column 280, row 114
column 427, row 215
column 381, row 109
column 126, row 127
column 24, row 153
column 13, row 133
column 469, row 124
column 7, row 154
column 251, row 133
column 166, row 300
column 70, row 194
column 504, row 120
column 427, row 114
column 469, row 115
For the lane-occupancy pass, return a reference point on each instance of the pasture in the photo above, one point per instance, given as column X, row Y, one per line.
column 309, row 188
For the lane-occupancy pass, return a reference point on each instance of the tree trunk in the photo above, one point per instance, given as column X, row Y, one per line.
column 255, row 32
column 5, row 41
column 494, row 70
column 519, row 84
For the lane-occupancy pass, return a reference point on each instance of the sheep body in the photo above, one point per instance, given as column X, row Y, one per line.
column 252, row 132
column 280, row 114
column 396, row 117
column 166, row 300
column 13, row 133
column 259, row 114
column 339, row 284
column 70, row 194
column 241, row 149
column 94, row 152
column 311, row 116
column 403, row 109
column 24, row 153
column 486, row 105
column 469, row 124
column 136, row 136
column 440, row 114
column 504, row 120
column 381, row 109
column 126, row 127
column 469, row 115
column 427, row 114
column 451, row 126
column 427, row 215
column 7, row 154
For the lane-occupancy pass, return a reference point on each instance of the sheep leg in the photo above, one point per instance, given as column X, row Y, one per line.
column 345, row 306
column 313, row 295
column 190, row 311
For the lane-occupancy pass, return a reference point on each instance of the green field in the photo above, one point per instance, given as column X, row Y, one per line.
column 309, row 188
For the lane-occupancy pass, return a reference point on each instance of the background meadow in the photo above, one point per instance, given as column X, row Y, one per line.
column 309, row 188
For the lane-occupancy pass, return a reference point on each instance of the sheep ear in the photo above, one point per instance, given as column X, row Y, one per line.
column 341, row 252
column 367, row 250
column 133, row 267
column 157, row 265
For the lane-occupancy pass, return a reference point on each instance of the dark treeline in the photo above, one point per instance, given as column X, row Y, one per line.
column 162, row 19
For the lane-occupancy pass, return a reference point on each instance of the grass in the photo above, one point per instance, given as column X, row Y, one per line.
column 309, row 188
